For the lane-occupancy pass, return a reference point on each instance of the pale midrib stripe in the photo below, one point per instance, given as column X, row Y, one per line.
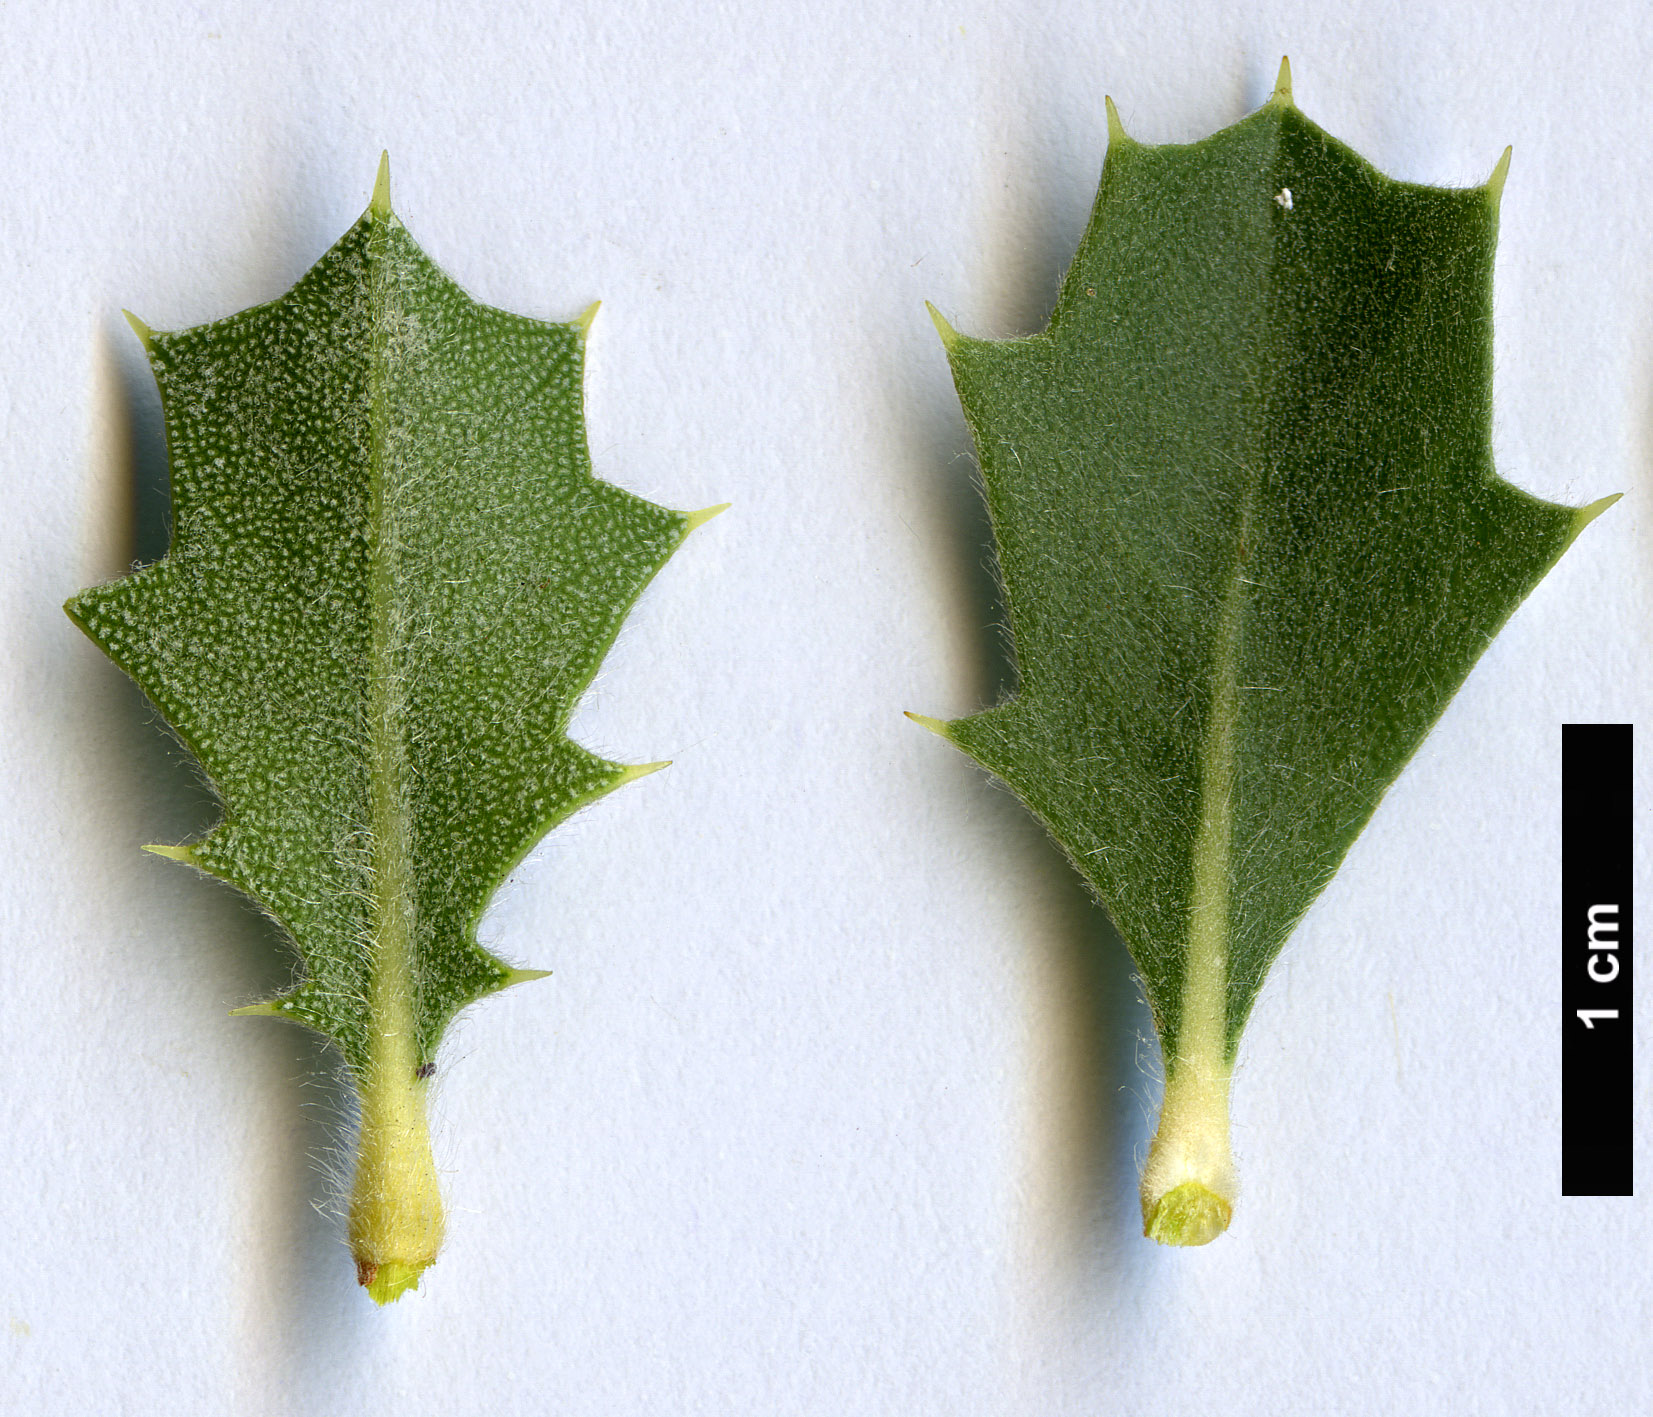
column 1191, row 1144
column 1202, row 1027
column 393, row 1045
column 396, row 1205
column 1189, row 1184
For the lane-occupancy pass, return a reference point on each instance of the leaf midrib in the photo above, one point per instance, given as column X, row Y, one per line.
column 1203, row 1038
column 392, row 1037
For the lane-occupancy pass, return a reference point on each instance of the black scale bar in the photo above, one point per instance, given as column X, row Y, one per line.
column 1597, row 1027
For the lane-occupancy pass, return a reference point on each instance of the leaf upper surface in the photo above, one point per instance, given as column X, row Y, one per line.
column 392, row 573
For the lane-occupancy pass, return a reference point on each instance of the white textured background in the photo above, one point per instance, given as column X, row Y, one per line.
column 835, row 1100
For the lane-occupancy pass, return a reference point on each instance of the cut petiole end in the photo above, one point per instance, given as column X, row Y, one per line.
column 386, row 1283
column 396, row 1220
column 1189, row 1214
column 1189, row 1183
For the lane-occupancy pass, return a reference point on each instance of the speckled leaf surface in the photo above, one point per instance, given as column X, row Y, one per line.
column 1250, row 537
column 392, row 573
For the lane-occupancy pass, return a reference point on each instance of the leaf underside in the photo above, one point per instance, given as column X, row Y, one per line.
column 391, row 576
column 1249, row 532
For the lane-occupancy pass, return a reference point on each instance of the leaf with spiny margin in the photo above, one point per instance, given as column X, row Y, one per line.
column 1251, row 542
column 392, row 574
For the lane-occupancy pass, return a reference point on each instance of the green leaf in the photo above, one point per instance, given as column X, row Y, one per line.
column 392, row 574
column 1251, row 543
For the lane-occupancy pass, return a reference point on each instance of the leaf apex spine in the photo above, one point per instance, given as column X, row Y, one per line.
column 1494, row 185
column 379, row 205
column 935, row 725
column 1585, row 515
column 173, row 853
column 632, row 771
column 695, row 520
column 268, row 1009
column 142, row 331
column 950, row 338
column 1281, row 97
column 523, row 976
column 1116, row 125
column 582, row 321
